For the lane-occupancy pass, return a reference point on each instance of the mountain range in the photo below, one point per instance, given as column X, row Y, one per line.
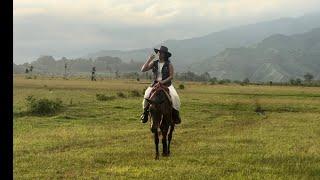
column 196, row 49
column 274, row 50
column 277, row 58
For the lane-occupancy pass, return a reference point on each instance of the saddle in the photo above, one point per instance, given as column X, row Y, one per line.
column 160, row 87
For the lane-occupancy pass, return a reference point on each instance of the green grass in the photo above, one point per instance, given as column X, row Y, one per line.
column 220, row 136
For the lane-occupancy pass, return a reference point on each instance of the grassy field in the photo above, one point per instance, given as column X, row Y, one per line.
column 221, row 135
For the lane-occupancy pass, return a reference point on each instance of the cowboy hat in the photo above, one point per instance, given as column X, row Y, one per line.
column 163, row 49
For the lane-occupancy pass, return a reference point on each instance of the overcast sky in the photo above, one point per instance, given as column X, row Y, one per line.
column 73, row 28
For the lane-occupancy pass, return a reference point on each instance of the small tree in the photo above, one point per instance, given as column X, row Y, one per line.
column 65, row 70
column 246, row 81
column 295, row 81
column 31, row 68
column 117, row 74
column 308, row 77
column 298, row 81
column 205, row 76
column 213, row 80
column 292, row 81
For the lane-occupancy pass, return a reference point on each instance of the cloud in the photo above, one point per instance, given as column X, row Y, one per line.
column 79, row 25
column 156, row 12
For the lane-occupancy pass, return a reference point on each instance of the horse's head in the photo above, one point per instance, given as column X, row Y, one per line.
column 158, row 98
column 158, row 95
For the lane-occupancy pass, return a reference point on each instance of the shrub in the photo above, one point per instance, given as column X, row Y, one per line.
column 121, row 94
column 102, row 97
column 213, row 81
column 295, row 81
column 181, row 86
column 135, row 93
column 43, row 106
column 237, row 82
column 224, row 81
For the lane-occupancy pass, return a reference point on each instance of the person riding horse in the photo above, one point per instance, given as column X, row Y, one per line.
column 163, row 73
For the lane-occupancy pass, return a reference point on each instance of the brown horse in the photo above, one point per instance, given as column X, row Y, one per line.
column 161, row 114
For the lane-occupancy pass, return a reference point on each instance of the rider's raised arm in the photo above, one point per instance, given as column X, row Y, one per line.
column 148, row 64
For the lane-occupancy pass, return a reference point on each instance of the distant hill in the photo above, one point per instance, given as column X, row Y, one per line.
column 196, row 49
column 276, row 58
column 274, row 50
column 48, row 65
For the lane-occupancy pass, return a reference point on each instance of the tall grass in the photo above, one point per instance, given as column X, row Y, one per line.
column 222, row 134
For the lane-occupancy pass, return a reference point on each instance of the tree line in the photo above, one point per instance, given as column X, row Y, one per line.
column 308, row 79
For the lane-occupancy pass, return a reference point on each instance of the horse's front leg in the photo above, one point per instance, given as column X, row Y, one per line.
column 164, row 131
column 154, row 130
column 156, row 142
column 170, row 137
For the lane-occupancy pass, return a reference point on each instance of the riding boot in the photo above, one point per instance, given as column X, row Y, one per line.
column 145, row 114
column 176, row 116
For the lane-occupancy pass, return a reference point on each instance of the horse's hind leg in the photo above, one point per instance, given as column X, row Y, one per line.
column 170, row 137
